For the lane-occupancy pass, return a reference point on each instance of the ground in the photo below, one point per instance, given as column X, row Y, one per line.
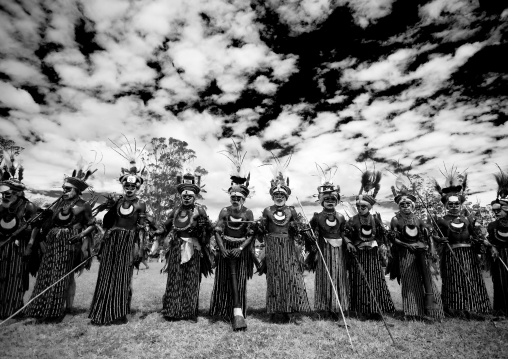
column 148, row 335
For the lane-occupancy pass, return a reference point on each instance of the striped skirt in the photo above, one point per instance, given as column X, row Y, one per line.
column 413, row 291
column 13, row 278
column 324, row 295
column 361, row 299
column 181, row 298
column 56, row 262
column 500, row 283
column 221, row 303
column 457, row 292
column 111, row 299
column 285, row 288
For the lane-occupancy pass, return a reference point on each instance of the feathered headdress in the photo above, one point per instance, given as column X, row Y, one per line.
column 11, row 172
column 502, row 183
column 81, row 174
column 188, row 180
column 326, row 187
column 370, row 181
column 132, row 154
column 280, row 182
column 239, row 182
column 455, row 184
column 403, row 188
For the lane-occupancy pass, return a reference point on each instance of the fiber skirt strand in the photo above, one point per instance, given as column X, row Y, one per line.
column 13, row 279
column 457, row 292
column 182, row 288
column 413, row 291
column 361, row 299
column 221, row 303
column 324, row 296
column 285, row 292
column 500, row 282
column 111, row 299
column 56, row 262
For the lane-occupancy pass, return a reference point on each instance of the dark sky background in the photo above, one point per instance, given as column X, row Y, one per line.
column 334, row 82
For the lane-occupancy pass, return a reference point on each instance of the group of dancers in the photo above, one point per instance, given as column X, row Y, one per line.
column 53, row 243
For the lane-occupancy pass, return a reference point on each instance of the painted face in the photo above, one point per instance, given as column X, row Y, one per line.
column 499, row 210
column 363, row 207
column 188, row 198
column 9, row 197
column 453, row 206
column 279, row 199
column 69, row 191
column 130, row 189
column 329, row 202
column 406, row 206
column 237, row 201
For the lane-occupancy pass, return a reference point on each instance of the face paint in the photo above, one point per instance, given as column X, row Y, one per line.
column 406, row 206
column 130, row 189
column 499, row 211
column 188, row 198
column 69, row 191
column 329, row 202
column 363, row 208
column 279, row 199
column 9, row 197
column 453, row 205
column 237, row 201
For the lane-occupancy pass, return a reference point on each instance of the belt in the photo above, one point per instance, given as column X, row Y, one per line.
column 234, row 239
column 366, row 245
column 460, row 245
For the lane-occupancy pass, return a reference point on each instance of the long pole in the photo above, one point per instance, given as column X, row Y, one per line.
column 364, row 276
column 329, row 275
column 503, row 263
column 48, row 288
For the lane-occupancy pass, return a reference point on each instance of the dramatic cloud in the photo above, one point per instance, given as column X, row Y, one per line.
column 330, row 82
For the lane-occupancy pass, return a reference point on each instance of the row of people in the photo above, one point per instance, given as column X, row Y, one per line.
column 347, row 249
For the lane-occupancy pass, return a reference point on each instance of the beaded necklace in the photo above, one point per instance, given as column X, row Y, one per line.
column 279, row 217
column 188, row 215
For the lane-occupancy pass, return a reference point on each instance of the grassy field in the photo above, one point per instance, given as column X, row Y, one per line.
column 148, row 335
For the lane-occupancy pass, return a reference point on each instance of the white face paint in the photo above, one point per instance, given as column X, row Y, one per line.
column 130, row 188
column 329, row 202
column 279, row 199
column 363, row 207
column 499, row 210
column 406, row 206
column 236, row 200
column 69, row 191
column 188, row 198
column 453, row 206
column 9, row 197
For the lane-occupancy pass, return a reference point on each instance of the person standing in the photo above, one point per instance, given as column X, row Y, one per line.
column 366, row 232
column 120, row 249
column 15, row 211
column 410, row 251
column 188, row 232
column 464, row 293
column 234, row 236
column 66, row 244
column 285, row 292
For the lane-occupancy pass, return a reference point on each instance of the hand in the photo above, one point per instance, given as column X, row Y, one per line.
column 444, row 240
column 224, row 253
column 494, row 252
column 409, row 247
column 235, row 252
column 202, row 221
column 350, row 247
column 74, row 239
column 28, row 250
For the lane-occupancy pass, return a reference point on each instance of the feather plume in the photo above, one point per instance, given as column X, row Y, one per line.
column 236, row 157
column 438, row 187
column 131, row 154
column 502, row 183
column 278, row 170
column 21, row 171
column 394, row 191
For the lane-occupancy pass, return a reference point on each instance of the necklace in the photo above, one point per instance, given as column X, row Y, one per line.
column 185, row 216
column 330, row 218
column 126, row 207
column 407, row 218
column 365, row 220
column 238, row 221
column 279, row 217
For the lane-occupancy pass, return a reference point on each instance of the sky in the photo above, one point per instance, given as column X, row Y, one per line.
column 363, row 82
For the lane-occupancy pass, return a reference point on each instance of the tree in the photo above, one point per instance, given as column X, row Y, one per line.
column 10, row 147
column 164, row 162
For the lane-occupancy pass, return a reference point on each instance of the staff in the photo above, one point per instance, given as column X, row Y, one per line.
column 327, row 272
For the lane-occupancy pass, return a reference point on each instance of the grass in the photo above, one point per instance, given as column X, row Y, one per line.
column 148, row 335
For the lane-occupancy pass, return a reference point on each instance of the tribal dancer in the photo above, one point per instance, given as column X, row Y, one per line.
column 234, row 237
column 409, row 263
column 328, row 226
column 189, row 231
column 498, row 236
column 15, row 211
column 366, row 232
column 71, row 220
column 120, row 249
column 463, row 290
column 285, row 292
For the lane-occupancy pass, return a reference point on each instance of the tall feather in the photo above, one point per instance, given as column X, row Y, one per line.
column 502, row 183
column 464, row 183
column 438, row 187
